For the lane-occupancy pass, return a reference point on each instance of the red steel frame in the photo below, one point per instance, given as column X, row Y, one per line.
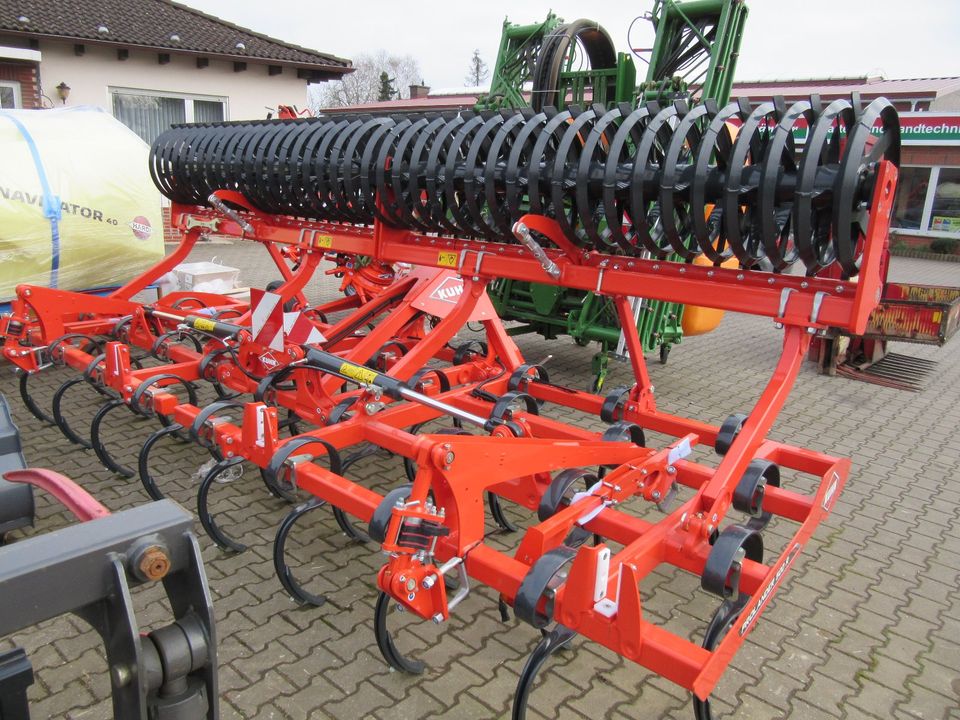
column 458, row 470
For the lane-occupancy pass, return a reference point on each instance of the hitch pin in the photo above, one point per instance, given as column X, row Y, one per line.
column 522, row 233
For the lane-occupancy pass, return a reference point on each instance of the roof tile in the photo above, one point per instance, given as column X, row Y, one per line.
column 151, row 23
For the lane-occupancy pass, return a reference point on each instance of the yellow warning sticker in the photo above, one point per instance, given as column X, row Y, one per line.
column 937, row 315
column 324, row 241
column 204, row 325
column 447, row 259
column 358, row 372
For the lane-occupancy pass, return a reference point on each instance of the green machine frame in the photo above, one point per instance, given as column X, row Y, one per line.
column 693, row 58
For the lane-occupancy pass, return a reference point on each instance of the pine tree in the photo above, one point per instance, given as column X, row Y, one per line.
column 386, row 87
column 478, row 71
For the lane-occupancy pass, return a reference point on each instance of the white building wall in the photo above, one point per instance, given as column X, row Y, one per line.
column 90, row 76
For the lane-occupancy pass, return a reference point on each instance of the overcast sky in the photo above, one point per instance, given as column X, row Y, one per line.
column 802, row 38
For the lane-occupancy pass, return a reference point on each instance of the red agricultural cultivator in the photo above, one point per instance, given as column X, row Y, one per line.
column 591, row 199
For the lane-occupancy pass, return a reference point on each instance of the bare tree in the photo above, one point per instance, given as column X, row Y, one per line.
column 363, row 84
column 478, row 71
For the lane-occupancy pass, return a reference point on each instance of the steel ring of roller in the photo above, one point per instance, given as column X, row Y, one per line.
column 497, row 154
column 675, row 183
column 387, row 209
column 567, row 159
column 601, row 136
column 776, row 232
column 462, row 198
column 716, row 144
column 643, row 187
column 400, row 166
column 473, row 176
column 859, row 158
column 432, row 205
column 353, row 190
column 615, row 195
column 545, row 146
column 335, row 172
column 811, row 222
column 520, row 156
column 418, row 170
column 748, row 151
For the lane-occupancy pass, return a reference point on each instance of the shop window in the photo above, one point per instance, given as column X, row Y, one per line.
column 945, row 210
column 9, row 95
column 150, row 113
column 911, row 197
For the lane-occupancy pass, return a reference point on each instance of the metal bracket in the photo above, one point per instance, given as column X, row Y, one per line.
column 213, row 224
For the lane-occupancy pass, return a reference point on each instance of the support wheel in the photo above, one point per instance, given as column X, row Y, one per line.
column 539, row 587
column 748, row 495
column 728, row 432
column 721, row 574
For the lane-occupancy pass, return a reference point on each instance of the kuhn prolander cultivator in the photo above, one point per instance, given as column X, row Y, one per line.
column 591, row 199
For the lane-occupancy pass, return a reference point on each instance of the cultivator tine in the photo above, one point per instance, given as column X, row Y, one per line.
column 284, row 573
column 551, row 642
column 143, row 459
column 96, row 440
column 388, row 648
column 223, row 541
column 29, row 402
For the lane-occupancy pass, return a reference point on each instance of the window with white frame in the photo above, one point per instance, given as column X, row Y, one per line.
column 9, row 95
column 928, row 201
column 149, row 113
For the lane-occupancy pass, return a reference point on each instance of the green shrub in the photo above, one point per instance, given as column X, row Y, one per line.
column 944, row 246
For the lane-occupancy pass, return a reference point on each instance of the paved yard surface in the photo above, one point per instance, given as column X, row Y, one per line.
column 866, row 626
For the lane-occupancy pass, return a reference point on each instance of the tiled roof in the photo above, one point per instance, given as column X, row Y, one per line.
column 929, row 88
column 868, row 87
column 159, row 24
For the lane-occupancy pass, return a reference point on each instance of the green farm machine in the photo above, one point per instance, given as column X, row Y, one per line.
column 569, row 66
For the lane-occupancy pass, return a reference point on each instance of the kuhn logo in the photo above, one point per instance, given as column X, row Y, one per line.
column 141, row 227
column 448, row 291
column 269, row 361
